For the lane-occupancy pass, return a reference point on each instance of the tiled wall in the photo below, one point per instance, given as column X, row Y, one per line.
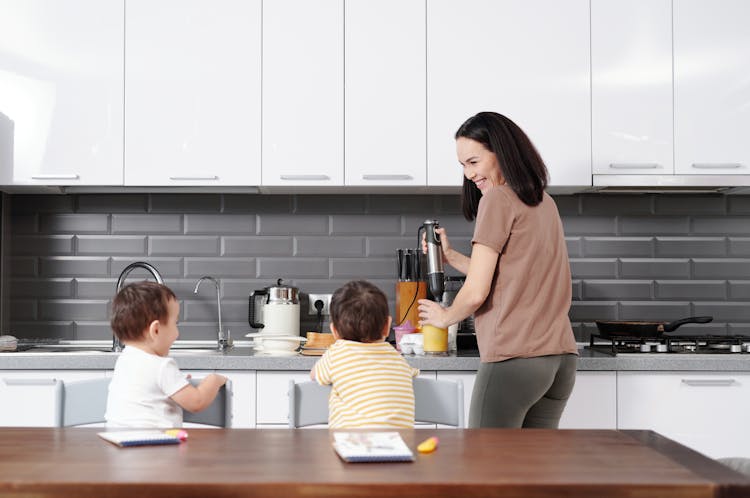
column 641, row 257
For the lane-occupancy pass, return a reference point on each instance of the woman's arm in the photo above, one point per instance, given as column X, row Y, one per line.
column 460, row 262
column 450, row 256
column 476, row 288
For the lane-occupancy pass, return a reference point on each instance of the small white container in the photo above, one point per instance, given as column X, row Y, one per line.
column 412, row 343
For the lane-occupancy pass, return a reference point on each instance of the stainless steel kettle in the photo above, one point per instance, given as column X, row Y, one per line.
column 275, row 309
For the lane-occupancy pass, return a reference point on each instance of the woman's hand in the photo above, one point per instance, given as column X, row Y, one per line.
column 431, row 313
column 445, row 244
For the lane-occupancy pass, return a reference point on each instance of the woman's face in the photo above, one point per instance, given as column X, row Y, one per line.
column 480, row 165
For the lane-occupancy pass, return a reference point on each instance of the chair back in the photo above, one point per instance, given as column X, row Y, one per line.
column 218, row 413
column 308, row 404
column 439, row 401
column 85, row 402
column 81, row 402
column 436, row 402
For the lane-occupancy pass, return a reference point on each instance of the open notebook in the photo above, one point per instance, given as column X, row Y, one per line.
column 371, row 447
column 138, row 438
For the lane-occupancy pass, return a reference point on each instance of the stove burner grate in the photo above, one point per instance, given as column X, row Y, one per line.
column 695, row 344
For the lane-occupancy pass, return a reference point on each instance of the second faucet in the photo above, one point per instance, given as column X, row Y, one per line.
column 223, row 338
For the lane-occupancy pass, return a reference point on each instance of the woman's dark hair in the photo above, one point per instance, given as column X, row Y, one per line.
column 520, row 163
column 136, row 306
column 359, row 311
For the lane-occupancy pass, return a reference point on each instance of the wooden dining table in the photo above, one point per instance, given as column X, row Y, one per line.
column 46, row 462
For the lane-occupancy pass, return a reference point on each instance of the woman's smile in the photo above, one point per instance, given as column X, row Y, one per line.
column 480, row 165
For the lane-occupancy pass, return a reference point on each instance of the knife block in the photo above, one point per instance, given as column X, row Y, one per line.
column 407, row 295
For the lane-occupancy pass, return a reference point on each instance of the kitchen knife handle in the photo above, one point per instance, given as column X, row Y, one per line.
column 709, row 382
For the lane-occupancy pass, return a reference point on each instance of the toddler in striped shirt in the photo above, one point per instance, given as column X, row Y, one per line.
column 371, row 383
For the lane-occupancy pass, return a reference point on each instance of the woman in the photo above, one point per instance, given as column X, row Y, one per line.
column 518, row 281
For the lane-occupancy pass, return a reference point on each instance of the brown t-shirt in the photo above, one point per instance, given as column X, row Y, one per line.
column 526, row 312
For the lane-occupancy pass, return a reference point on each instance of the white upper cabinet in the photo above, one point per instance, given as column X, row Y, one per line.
column 303, row 92
column 385, row 109
column 631, row 90
column 526, row 59
column 193, row 92
column 61, row 84
column 711, row 71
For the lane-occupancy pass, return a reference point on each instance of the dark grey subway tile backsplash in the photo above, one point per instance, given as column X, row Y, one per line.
column 647, row 256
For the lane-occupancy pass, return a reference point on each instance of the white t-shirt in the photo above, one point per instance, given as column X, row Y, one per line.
column 139, row 394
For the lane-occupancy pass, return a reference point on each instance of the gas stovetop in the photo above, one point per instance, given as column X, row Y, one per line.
column 677, row 344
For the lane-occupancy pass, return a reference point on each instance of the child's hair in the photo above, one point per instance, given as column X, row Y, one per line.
column 136, row 306
column 359, row 311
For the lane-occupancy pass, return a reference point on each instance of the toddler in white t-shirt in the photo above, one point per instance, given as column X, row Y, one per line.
column 147, row 389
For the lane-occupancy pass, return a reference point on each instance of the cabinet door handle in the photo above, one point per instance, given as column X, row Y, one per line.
column 635, row 165
column 193, row 177
column 387, row 177
column 305, row 177
column 55, row 177
column 709, row 382
column 30, row 382
column 717, row 165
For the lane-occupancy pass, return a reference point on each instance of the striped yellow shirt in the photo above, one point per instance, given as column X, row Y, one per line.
column 371, row 385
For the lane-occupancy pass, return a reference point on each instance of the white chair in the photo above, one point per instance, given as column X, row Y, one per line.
column 308, row 404
column 80, row 402
column 436, row 402
column 439, row 401
column 85, row 401
column 218, row 413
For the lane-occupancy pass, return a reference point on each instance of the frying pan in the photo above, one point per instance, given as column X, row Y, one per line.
column 612, row 329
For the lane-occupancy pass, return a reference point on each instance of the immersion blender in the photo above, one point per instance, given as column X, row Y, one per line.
column 435, row 272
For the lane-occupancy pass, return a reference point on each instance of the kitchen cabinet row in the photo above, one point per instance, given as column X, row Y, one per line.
column 705, row 411
column 320, row 93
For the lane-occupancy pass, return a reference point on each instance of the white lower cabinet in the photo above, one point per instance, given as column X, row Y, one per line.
column 243, row 400
column 272, row 409
column 27, row 397
column 592, row 405
column 705, row 411
column 593, row 402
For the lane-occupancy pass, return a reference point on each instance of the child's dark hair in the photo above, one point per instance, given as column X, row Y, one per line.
column 359, row 311
column 136, row 306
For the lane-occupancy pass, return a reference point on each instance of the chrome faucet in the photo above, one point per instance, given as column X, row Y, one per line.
column 223, row 339
column 116, row 345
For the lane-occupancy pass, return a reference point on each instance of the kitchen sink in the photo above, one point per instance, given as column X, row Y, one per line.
column 197, row 351
column 64, row 351
column 82, row 347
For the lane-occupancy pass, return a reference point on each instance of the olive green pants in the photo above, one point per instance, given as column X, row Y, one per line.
column 522, row 392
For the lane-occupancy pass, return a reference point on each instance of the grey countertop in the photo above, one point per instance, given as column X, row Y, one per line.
column 245, row 358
